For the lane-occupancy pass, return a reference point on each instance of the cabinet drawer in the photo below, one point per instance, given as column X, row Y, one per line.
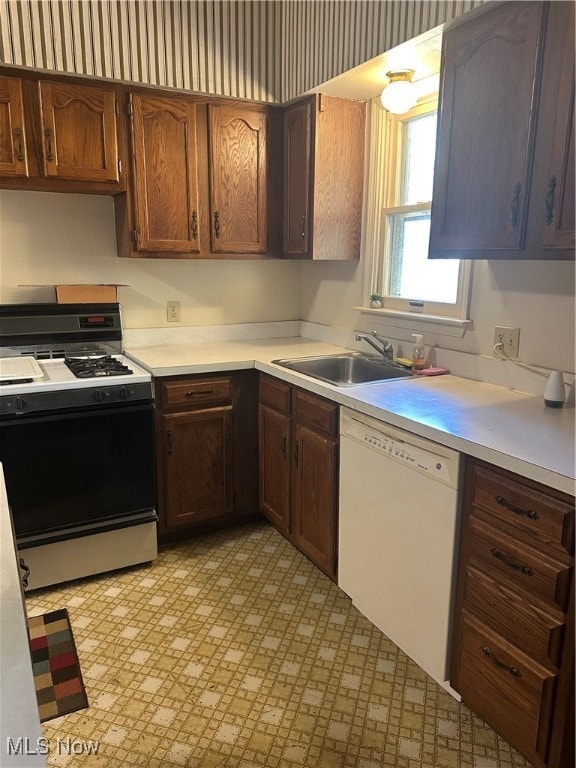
column 518, row 564
column 192, row 392
column 275, row 393
column 548, row 519
column 507, row 689
column 315, row 412
column 536, row 632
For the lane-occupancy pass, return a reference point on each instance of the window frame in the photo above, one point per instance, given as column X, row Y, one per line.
column 441, row 312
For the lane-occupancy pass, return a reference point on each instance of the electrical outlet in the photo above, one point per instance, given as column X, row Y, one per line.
column 173, row 311
column 509, row 338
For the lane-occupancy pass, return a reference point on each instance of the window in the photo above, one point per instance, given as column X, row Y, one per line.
column 408, row 280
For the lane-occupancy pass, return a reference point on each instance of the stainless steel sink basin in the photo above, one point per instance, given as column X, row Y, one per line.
column 345, row 369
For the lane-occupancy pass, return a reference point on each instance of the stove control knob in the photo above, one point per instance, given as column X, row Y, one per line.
column 124, row 393
column 100, row 395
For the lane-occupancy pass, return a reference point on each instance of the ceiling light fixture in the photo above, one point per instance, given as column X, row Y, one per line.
column 399, row 96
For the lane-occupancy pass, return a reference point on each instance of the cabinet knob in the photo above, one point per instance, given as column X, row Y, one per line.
column 49, row 154
column 515, row 205
column 490, row 654
column 20, row 138
column 549, row 200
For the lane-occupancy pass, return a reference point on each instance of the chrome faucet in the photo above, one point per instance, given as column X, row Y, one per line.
column 382, row 346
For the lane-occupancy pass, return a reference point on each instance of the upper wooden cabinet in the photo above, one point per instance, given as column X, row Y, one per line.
column 204, row 180
column 165, row 184
column 506, row 111
column 238, row 179
column 323, row 178
column 79, row 130
column 59, row 136
column 13, row 151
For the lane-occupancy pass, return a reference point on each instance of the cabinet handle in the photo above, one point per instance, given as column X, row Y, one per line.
column 26, row 570
column 515, row 205
column 525, row 569
column 549, row 200
column 303, row 227
column 194, row 225
column 490, row 654
column 296, row 452
column 170, row 436
column 49, row 155
column 20, row 137
column 284, row 443
column 194, row 393
column 517, row 510
column 217, row 224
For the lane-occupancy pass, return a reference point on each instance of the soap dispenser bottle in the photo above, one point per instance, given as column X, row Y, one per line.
column 418, row 355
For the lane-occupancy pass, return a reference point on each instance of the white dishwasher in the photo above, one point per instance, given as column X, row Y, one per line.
column 397, row 536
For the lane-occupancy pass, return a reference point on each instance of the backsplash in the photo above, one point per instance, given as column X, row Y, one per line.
column 268, row 51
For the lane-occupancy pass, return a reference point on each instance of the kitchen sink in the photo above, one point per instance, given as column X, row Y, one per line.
column 345, row 369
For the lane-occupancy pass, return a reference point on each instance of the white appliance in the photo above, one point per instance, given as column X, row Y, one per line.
column 397, row 536
column 76, row 441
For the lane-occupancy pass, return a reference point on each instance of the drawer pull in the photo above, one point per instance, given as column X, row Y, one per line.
column 193, row 393
column 525, row 569
column 513, row 670
column 517, row 510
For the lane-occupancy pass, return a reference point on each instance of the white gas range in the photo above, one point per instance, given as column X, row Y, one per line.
column 76, row 441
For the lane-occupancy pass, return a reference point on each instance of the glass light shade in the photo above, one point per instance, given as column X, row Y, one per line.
column 399, row 96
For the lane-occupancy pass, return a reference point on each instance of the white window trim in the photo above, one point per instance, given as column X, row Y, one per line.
column 384, row 138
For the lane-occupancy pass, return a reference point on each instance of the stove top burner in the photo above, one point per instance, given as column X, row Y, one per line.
column 89, row 367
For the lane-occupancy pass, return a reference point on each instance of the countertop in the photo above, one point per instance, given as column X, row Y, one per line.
column 19, row 717
column 507, row 428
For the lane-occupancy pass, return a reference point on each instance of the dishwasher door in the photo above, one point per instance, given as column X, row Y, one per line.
column 397, row 536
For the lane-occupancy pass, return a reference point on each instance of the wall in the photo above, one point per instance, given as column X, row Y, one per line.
column 270, row 51
column 48, row 238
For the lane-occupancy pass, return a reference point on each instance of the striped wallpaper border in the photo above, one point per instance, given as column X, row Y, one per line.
column 267, row 50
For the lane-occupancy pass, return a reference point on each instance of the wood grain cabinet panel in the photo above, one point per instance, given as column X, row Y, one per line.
column 79, row 132
column 512, row 656
column 299, row 469
column 60, row 135
column 323, row 178
column 506, row 688
column 165, row 174
column 502, row 188
column 13, row 150
column 238, row 179
column 207, row 445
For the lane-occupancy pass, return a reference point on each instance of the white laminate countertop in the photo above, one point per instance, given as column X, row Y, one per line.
column 511, row 429
column 20, row 730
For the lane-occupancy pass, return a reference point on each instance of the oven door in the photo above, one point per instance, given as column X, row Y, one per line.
column 71, row 473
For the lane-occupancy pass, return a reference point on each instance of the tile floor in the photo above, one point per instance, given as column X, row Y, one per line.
column 234, row 651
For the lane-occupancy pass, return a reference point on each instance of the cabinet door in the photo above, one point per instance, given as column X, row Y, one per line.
column 553, row 202
column 79, row 132
column 297, row 159
column 275, row 441
column 197, row 456
column 238, row 188
column 315, row 497
column 13, row 156
column 165, row 174
column 485, row 132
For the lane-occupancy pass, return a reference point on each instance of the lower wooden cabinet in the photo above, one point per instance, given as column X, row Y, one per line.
column 298, row 434
column 513, row 641
column 207, row 451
